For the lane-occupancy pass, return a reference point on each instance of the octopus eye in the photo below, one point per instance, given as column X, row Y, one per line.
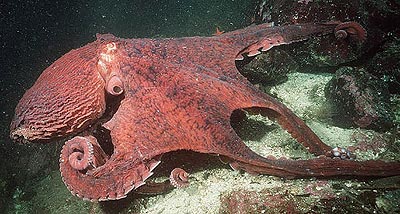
column 115, row 86
column 116, row 89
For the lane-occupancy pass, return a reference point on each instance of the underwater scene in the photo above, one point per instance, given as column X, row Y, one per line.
column 183, row 106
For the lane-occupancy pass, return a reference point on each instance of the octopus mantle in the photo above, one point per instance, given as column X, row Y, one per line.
column 161, row 95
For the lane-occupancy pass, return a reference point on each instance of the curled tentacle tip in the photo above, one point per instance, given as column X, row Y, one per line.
column 80, row 152
column 341, row 34
column 179, row 178
column 350, row 29
column 115, row 86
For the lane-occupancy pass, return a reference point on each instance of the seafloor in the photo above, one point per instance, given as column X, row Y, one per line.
column 35, row 34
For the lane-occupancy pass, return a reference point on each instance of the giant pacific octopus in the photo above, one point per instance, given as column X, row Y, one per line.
column 156, row 96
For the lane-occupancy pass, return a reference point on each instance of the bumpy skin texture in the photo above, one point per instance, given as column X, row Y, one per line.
column 177, row 94
column 67, row 97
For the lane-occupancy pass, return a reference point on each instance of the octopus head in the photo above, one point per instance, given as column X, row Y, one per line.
column 68, row 97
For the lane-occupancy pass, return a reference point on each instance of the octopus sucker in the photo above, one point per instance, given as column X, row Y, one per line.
column 253, row 53
column 154, row 164
column 179, row 178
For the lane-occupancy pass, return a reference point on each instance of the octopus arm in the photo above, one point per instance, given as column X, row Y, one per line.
column 223, row 50
column 318, row 167
column 195, row 115
column 254, row 40
column 88, row 172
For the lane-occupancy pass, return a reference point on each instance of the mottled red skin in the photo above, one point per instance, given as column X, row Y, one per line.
column 177, row 94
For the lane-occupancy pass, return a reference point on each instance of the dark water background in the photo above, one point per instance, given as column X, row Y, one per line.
column 35, row 33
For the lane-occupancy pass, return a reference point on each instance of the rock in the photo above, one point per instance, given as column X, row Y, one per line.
column 386, row 65
column 360, row 100
column 269, row 68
